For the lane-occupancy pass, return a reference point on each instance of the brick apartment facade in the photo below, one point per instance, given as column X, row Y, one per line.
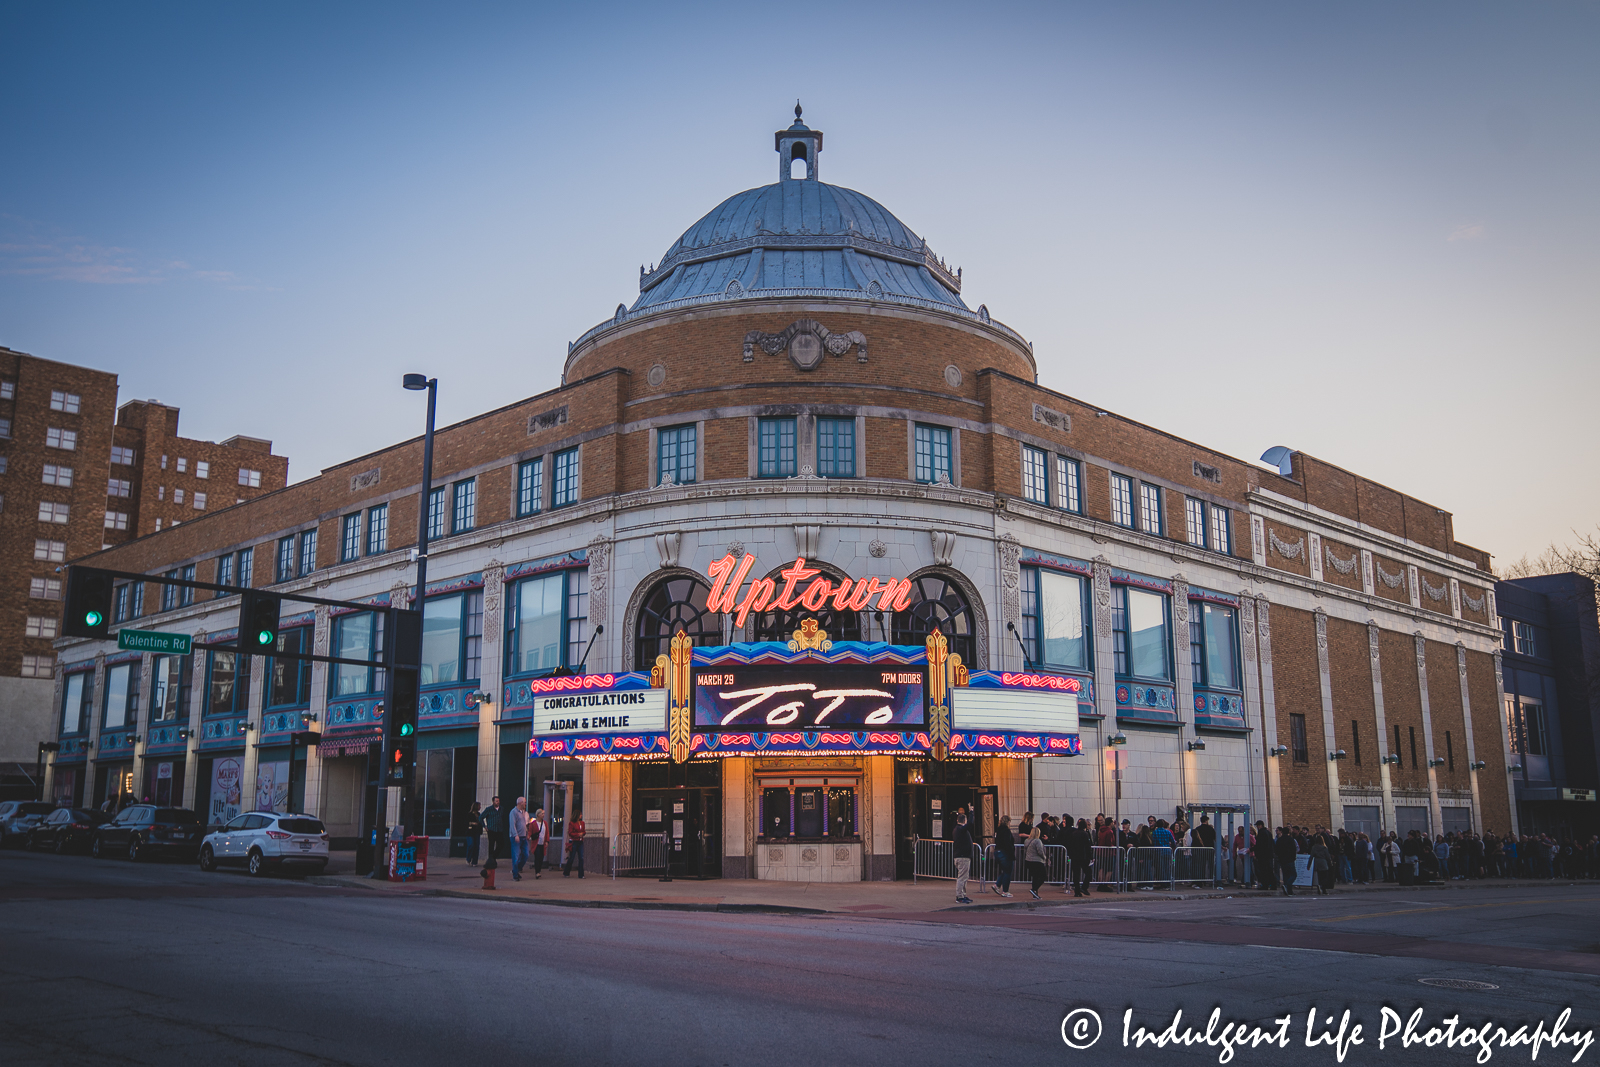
column 800, row 378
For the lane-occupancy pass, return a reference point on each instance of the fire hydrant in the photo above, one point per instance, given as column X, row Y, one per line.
column 488, row 874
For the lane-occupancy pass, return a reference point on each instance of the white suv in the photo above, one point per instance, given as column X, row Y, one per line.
column 262, row 840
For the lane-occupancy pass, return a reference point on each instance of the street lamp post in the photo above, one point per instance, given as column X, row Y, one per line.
column 1115, row 743
column 419, row 382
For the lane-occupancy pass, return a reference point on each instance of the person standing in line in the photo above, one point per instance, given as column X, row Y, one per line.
column 1025, row 827
column 519, row 838
column 963, row 857
column 1033, row 859
column 575, row 834
column 1080, row 851
column 474, row 832
column 1285, row 851
column 1389, row 853
column 539, row 837
column 1005, row 849
column 1262, row 856
column 1321, row 865
column 494, row 827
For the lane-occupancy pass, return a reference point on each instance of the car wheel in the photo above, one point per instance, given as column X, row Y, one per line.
column 208, row 859
column 257, row 863
column 61, row 844
column 133, row 850
column 94, row 849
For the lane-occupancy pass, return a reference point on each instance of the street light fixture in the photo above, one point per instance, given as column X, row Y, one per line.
column 1337, row 754
column 1278, row 750
column 416, row 383
column 1197, row 745
column 1477, row 765
column 1436, row 761
column 1392, row 757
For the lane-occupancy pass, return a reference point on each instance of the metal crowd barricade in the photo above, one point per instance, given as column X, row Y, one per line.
column 932, row 859
column 638, row 852
column 1149, row 866
column 1107, row 868
column 1195, row 866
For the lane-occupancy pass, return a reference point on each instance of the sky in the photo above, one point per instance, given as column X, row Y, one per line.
column 1367, row 231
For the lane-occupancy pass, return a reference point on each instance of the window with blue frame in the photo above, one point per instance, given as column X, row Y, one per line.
column 934, row 451
column 121, row 603
column 75, row 703
column 1054, row 607
column 350, row 538
column 836, row 448
column 530, row 486
column 136, row 601
column 245, row 567
column 357, row 636
column 121, row 702
column 178, row 596
column 227, row 684
column 224, row 573
column 564, row 488
column 170, row 678
column 1069, row 484
column 1139, row 634
column 452, row 639
column 675, row 454
column 308, row 550
column 464, row 506
column 1214, row 645
column 1035, row 477
column 436, row 513
column 378, row 530
column 548, row 626
column 1221, row 530
column 1194, row 513
column 776, row 453
column 1150, row 516
column 285, row 558
column 1122, row 500
column 289, row 680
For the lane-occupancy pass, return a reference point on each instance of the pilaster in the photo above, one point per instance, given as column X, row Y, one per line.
column 1325, row 684
column 1472, row 750
column 252, row 736
column 1252, row 702
column 1505, row 732
column 1269, row 705
column 1384, row 777
column 197, row 703
column 491, row 672
column 96, row 714
column 320, row 634
column 1185, row 685
column 1435, row 815
column 141, row 725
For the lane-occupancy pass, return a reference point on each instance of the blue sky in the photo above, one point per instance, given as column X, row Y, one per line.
column 1368, row 231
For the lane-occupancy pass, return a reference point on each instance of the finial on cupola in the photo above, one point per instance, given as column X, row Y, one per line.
column 799, row 144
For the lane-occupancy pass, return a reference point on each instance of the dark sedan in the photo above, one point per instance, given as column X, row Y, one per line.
column 65, row 830
column 146, row 830
column 17, row 817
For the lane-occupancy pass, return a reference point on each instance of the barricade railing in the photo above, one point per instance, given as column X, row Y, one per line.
column 638, row 852
column 932, row 859
column 1148, row 867
column 1107, row 868
column 1195, row 866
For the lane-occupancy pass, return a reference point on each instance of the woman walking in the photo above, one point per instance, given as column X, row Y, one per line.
column 1033, row 857
column 1005, row 851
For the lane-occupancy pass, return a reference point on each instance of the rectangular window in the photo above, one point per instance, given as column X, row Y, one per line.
column 183, row 465
column 1069, row 485
column 1412, row 730
column 1139, row 633
column 56, row 513
column 119, row 487
column 116, row 520
column 358, row 636
column 285, row 558
column 169, row 688
column 836, row 448
column 1053, row 614
column 289, row 680
column 1035, row 480
column 1122, row 500
column 40, row 626
column 474, row 643
column 775, row 448
column 1449, row 752
column 199, row 501
column 38, row 666
column 564, row 489
column 161, row 494
column 577, row 617
column 8, row 390
column 441, row 640
column 933, row 454
column 163, row 462
column 5, row 428
column 530, row 486
column 252, row 479
column 378, row 530
column 1194, row 513
column 1355, row 741
column 1297, row 738
column 121, row 697
column 228, row 688
column 119, row 603
column 50, row 551
column 136, row 601
column 1150, row 508
column 246, row 568
column 675, row 455
column 66, row 440
column 464, row 506
column 308, row 551
column 177, row 496
column 122, row 455
column 350, row 537
column 44, row 588
column 1532, row 729
column 1522, row 632
column 56, row 475
column 1221, row 531
column 75, row 703
column 540, row 627
column 202, row 469
column 1397, row 743
column 436, row 513
column 67, row 402
column 224, row 572
column 178, row 596
column 1213, row 645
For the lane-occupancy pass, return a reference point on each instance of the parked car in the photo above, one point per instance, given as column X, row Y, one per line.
column 66, row 830
column 141, row 830
column 260, row 841
column 17, row 817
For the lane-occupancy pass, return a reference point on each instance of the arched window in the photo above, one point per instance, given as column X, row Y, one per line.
column 797, row 166
column 675, row 604
column 937, row 603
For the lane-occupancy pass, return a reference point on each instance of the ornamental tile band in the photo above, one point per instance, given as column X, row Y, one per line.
column 1343, row 566
column 1393, row 581
column 1284, row 548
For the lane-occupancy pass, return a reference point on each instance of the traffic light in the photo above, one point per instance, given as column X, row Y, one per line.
column 400, row 728
column 404, row 647
column 258, row 622
column 88, row 612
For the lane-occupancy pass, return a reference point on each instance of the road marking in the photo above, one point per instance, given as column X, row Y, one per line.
column 1447, row 907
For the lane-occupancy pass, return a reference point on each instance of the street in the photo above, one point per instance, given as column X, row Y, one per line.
column 110, row 962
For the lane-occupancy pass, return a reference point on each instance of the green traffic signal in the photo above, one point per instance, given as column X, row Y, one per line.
column 93, row 618
column 406, row 729
column 264, row 637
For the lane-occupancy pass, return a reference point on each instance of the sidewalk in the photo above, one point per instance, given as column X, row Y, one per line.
column 455, row 879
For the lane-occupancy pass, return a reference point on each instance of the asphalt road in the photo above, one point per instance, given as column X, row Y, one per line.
column 105, row 962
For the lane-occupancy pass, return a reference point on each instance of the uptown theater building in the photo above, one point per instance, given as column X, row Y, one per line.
column 829, row 563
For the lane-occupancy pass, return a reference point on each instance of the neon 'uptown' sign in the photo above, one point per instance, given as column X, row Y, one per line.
column 763, row 595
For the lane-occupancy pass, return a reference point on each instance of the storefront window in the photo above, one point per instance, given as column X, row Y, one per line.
column 1213, row 648
column 673, row 605
column 1139, row 633
column 358, row 636
column 75, row 703
column 169, row 688
column 549, row 626
column 122, row 696
column 1052, row 616
column 937, row 603
column 229, row 684
column 808, row 811
column 289, row 680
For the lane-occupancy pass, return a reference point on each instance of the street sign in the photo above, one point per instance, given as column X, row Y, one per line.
column 153, row 641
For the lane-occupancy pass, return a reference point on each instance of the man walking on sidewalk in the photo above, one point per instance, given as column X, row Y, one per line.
column 963, row 850
column 575, row 833
column 494, row 827
column 519, row 838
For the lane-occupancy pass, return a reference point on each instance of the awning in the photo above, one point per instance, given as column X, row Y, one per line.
column 347, row 746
